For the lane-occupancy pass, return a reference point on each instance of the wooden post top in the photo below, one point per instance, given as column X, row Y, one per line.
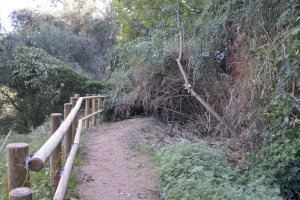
column 17, row 145
column 73, row 99
column 77, row 96
column 21, row 193
column 56, row 115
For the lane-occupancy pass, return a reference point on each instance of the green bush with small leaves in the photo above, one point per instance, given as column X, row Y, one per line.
column 279, row 159
column 43, row 84
column 194, row 171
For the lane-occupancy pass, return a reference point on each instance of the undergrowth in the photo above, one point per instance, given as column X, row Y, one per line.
column 39, row 181
column 194, row 171
column 243, row 58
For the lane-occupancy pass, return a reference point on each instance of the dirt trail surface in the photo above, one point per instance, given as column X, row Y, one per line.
column 113, row 168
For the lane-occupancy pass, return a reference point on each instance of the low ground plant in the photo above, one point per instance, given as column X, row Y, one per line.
column 39, row 181
column 194, row 171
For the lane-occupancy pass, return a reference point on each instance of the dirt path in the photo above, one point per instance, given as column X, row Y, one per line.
column 113, row 169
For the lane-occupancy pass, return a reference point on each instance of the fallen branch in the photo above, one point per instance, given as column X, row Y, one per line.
column 188, row 86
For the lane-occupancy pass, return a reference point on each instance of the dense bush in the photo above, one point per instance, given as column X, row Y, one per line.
column 43, row 83
column 84, row 50
column 193, row 171
column 279, row 158
column 258, row 39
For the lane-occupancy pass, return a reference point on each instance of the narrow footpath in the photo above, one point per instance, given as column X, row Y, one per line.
column 115, row 166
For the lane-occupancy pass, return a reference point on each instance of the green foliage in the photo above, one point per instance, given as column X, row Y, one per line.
column 43, row 84
column 95, row 87
column 193, row 171
column 39, row 181
column 138, row 18
column 279, row 159
column 84, row 48
column 270, row 46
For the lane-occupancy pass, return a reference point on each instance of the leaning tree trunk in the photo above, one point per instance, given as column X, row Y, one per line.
column 188, row 86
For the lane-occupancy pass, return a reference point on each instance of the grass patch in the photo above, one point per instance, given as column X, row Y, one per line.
column 40, row 181
column 194, row 171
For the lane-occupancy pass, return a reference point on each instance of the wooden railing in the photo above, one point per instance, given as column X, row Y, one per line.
column 19, row 163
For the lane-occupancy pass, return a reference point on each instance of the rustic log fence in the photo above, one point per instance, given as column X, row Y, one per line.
column 65, row 132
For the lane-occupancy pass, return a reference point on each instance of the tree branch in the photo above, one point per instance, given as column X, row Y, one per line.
column 10, row 100
column 189, row 88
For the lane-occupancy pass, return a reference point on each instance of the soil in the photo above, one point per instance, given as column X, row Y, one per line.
column 116, row 164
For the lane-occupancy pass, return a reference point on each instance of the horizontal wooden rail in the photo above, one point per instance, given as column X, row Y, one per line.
column 18, row 175
column 93, row 97
column 91, row 115
column 64, row 179
column 63, row 182
column 37, row 162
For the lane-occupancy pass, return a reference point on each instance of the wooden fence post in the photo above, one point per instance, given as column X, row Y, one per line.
column 74, row 123
column 17, row 173
column 86, row 112
column 55, row 158
column 94, row 110
column 68, row 135
column 21, row 193
column 77, row 96
column 77, row 115
column 99, row 104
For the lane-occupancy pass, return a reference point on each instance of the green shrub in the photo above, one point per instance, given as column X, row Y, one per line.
column 279, row 159
column 193, row 171
column 40, row 182
column 94, row 87
column 43, row 84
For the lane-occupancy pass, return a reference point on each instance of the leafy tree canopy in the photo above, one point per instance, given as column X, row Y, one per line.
column 42, row 84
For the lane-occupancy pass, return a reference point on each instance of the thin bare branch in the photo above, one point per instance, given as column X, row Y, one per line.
column 10, row 100
column 188, row 86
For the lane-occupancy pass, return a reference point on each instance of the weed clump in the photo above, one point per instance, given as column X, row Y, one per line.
column 193, row 171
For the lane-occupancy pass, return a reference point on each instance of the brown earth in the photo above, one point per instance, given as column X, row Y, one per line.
column 116, row 165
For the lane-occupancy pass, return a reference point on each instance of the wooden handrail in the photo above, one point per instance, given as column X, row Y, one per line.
column 94, row 97
column 64, row 179
column 39, row 159
column 52, row 147
column 91, row 115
